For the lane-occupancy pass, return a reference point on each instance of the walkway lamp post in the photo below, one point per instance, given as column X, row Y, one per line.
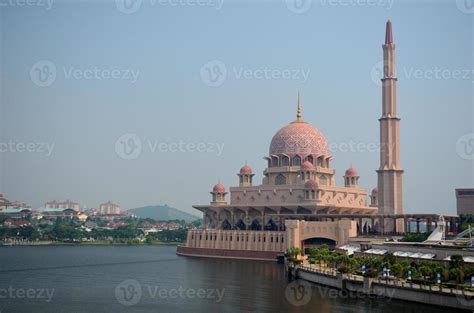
column 362, row 269
column 438, row 278
column 409, row 275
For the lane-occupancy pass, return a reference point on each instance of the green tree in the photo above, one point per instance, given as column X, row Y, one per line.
column 457, row 261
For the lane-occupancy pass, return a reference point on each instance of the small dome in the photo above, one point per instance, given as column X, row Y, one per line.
column 352, row 172
column 307, row 166
column 375, row 191
column 246, row 170
column 311, row 184
column 218, row 188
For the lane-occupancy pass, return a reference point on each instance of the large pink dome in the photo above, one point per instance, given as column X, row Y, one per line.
column 299, row 138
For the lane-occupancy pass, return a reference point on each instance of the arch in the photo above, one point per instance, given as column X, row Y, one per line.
column 285, row 160
column 280, row 179
column 319, row 161
column 275, row 160
column 240, row 225
column 296, row 160
column 255, row 225
column 310, row 159
column 318, row 241
column 226, row 225
column 271, row 225
column 325, row 235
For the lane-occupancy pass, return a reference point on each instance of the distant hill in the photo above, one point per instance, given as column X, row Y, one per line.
column 163, row 213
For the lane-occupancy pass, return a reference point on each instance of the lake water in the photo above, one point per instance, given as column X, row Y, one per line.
column 154, row 279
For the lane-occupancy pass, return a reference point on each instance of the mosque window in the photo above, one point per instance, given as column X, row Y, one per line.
column 313, row 194
column 274, row 162
column 319, row 162
column 353, row 180
column 323, row 180
column 280, row 179
column 285, row 161
column 296, row 161
column 241, row 179
column 310, row 159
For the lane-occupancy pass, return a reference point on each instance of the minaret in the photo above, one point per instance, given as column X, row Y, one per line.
column 390, row 173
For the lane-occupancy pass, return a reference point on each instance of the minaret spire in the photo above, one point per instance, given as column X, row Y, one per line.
column 298, row 113
column 388, row 33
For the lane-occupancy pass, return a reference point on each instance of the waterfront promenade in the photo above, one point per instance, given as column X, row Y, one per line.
column 389, row 287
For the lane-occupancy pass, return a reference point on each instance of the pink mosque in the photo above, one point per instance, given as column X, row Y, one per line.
column 298, row 202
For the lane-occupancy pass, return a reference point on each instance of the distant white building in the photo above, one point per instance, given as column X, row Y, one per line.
column 63, row 205
column 109, row 208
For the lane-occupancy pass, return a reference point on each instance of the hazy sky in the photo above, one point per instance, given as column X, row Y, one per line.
column 153, row 101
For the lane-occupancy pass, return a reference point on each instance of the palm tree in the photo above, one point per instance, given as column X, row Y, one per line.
column 457, row 261
column 425, row 271
column 397, row 269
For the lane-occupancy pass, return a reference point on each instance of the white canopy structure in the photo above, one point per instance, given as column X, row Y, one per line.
column 349, row 249
column 376, row 251
column 414, row 255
